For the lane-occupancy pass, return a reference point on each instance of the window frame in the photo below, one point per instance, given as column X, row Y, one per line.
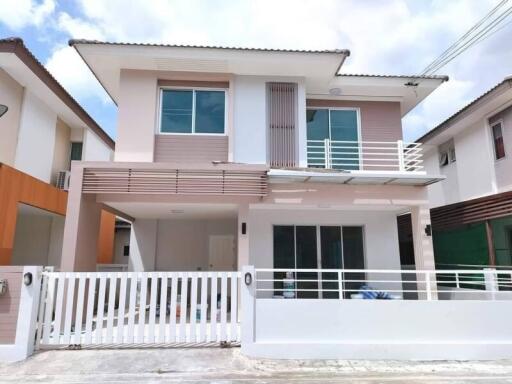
column 318, row 239
column 194, row 90
column 491, row 126
column 358, row 118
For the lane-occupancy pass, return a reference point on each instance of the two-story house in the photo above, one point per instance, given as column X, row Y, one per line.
column 42, row 130
column 230, row 156
column 472, row 208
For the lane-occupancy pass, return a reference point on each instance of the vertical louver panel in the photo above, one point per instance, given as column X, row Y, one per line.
column 282, row 121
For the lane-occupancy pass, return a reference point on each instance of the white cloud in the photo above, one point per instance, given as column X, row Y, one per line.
column 444, row 102
column 392, row 37
column 70, row 70
column 19, row 14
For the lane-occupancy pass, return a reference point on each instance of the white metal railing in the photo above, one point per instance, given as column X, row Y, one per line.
column 365, row 155
column 380, row 284
column 101, row 308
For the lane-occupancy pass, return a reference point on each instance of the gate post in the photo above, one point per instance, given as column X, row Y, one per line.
column 29, row 292
column 248, row 293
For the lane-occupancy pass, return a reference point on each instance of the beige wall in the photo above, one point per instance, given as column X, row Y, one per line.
column 11, row 94
column 136, row 116
column 380, row 120
column 183, row 245
column 61, row 153
column 9, row 303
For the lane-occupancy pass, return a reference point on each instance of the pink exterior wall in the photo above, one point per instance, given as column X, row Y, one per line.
column 138, row 109
column 380, row 120
column 191, row 148
column 9, row 303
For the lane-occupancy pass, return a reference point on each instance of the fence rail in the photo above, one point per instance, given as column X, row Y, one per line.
column 365, row 155
column 380, row 284
column 98, row 308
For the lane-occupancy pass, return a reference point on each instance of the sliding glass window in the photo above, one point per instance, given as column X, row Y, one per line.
column 314, row 247
column 341, row 128
column 193, row 111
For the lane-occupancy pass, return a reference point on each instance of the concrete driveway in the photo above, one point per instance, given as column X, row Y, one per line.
column 214, row 365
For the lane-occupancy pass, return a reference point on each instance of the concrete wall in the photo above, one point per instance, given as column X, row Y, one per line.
column 36, row 138
column 94, row 149
column 136, row 116
column 121, row 239
column 61, row 154
column 183, row 245
column 472, row 175
column 504, row 166
column 38, row 240
column 380, row 233
column 9, row 303
column 11, row 94
column 377, row 329
column 250, row 120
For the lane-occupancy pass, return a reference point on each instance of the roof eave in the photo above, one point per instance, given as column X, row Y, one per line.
column 16, row 46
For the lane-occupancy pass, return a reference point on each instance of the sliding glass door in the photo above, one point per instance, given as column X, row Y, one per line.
column 341, row 127
column 314, row 247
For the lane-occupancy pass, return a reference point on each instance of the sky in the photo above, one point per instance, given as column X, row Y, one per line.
column 384, row 37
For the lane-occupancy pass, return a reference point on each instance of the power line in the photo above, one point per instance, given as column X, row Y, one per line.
column 480, row 36
column 451, row 47
column 476, row 34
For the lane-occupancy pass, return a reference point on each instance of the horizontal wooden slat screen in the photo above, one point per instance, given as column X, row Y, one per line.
column 175, row 181
column 190, row 148
column 282, row 117
column 472, row 211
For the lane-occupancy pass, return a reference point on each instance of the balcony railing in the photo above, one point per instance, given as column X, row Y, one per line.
column 365, row 155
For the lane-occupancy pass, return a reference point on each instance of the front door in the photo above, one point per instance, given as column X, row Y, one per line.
column 222, row 253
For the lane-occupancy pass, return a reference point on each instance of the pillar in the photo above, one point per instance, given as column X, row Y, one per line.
column 81, row 229
column 423, row 247
column 243, row 238
column 143, row 237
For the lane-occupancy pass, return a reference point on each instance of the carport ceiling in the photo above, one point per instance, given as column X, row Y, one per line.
column 176, row 211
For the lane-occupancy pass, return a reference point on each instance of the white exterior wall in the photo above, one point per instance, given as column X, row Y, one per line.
column 250, row 120
column 503, row 166
column 380, row 233
column 472, row 175
column 375, row 329
column 36, row 139
column 94, row 149
column 475, row 160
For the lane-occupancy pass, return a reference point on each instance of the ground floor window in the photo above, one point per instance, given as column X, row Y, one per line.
column 315, row 247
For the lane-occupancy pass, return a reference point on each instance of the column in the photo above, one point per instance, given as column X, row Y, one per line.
column 79, row 246
column 423, row 249
column 243, row 238
column 143, row 237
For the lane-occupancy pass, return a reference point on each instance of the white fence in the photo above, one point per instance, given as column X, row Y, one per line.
column 102, row 308
column 381, row 284
column 316, row 314
column 365, row 155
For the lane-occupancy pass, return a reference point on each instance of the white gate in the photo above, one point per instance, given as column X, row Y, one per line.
column 102, row 308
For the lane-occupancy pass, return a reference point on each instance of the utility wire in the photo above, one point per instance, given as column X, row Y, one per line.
column 480, row 36
column 463, row 37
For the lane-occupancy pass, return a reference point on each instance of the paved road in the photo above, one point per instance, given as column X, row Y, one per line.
column 223, row 366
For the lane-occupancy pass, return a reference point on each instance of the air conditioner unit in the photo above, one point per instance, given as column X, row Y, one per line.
column 63, row 180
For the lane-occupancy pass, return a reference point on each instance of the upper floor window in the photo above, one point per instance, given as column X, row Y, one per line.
column 193, row 111
column 497, row 135
column 76, row 151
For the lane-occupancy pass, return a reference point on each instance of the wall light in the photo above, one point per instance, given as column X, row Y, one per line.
column 3, row 109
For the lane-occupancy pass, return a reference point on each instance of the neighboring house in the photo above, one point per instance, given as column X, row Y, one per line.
column 42, row 132
column 232, row 156
column 472, row 208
